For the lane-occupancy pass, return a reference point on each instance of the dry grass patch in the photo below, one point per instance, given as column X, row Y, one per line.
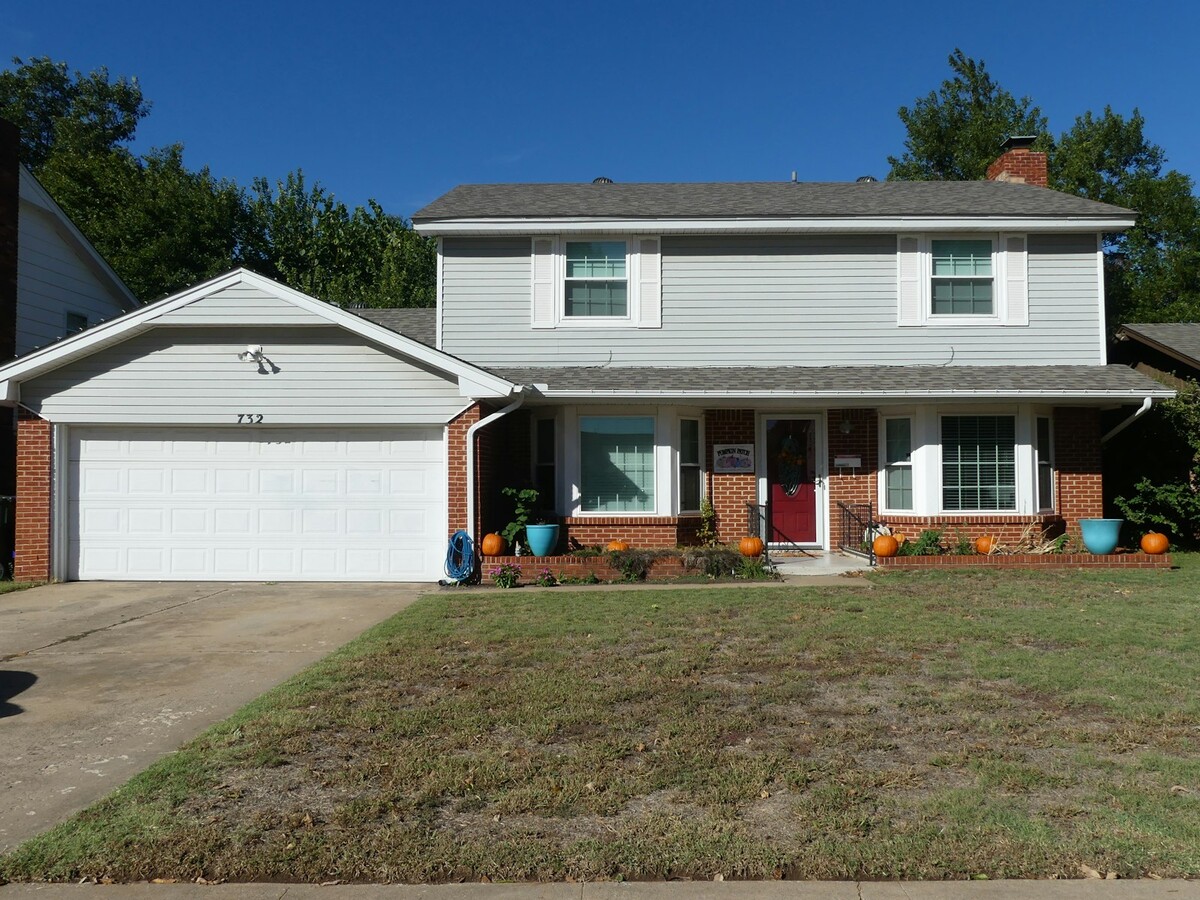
column 941, row 725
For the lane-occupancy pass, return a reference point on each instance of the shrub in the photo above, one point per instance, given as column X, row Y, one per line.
column 506, row 576
column 713, row 561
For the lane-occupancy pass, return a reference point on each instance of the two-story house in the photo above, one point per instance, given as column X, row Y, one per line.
column 936, row 350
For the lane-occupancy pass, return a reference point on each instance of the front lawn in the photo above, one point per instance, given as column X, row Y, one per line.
column 938, row 725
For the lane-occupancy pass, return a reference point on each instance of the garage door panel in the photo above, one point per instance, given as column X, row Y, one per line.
column 355, row 504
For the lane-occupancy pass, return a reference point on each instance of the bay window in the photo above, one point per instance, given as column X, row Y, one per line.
column 979, row 468
column 616, row 455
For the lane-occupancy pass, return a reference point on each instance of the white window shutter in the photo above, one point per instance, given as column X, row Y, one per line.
column 649, row 284
column 545, row 283
column 1016, row 279
column 912, row 289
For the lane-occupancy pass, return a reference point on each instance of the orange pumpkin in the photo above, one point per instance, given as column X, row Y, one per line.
column 1155, row 543
column 493, row 545
column 751, row 546
column 618, row 545
column 985, row 545
column 885, row 545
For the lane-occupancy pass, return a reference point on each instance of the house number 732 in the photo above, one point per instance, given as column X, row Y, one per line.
column 249, row 418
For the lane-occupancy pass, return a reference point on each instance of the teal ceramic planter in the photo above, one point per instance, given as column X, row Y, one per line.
column 542, row 539
column 1100, row 536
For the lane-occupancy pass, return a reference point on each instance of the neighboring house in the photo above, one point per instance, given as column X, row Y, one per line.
column 1168, row 351
column 934, row 350
column 53, row 283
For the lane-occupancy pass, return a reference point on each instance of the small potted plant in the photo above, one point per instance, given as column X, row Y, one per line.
column 528, row 525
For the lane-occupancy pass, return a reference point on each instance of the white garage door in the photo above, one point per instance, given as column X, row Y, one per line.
column 267, row 504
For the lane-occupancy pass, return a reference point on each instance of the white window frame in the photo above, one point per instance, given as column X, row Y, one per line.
column 912, row 462
column 1044, row 504
column 927, row 457
column 677, row 449
column 991, row 318
column 630, row 281
column 1016, row 420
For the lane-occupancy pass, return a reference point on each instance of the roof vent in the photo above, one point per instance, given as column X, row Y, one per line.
column 865, row 179
column 602, row 180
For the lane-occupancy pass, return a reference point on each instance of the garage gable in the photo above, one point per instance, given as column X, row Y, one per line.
column 204, row 375
column 252, row 312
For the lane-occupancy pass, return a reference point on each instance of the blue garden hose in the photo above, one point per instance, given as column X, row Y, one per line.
column 460, row 557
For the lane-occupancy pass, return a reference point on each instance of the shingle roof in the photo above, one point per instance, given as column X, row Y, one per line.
column 759, row 200
column 842, row 382
column 420, row 324
column 1178, row 339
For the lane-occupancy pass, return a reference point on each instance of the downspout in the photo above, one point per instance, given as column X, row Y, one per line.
column 1141, row 411
column 498, row 414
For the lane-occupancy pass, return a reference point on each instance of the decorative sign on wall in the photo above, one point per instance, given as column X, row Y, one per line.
column 733, row 458
column 848, row 462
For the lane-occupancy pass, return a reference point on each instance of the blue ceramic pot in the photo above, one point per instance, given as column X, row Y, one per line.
column 1100, row 536
column 542, row 539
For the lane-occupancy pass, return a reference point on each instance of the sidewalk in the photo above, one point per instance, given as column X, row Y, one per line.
column 700, row 890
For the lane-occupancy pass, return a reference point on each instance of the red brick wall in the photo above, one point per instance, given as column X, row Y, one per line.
column 1079, row 491
column 456, row 468
column 1007, row 528
column 647, row 532
column 1020, row 164
column 852, row 486
column 729, row 493
column 34, row 497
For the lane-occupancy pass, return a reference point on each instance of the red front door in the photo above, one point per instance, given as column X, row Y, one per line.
column 791, row 481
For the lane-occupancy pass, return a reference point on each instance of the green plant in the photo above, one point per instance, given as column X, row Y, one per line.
column 714, row 562
column 634, row 564
column 1174, row 506
column 524, row 502
column 752, row 568
column 589, row 578
column 706, row 534
column 545, row 578
column 963, row 545
column 928, row 543
column 506, row 576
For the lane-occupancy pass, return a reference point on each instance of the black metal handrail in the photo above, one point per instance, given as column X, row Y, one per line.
column 858, row 529
column 756, row 526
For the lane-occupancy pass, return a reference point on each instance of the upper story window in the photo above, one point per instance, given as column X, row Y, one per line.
column 609, row 281
column 962, row 278
column 597, row 279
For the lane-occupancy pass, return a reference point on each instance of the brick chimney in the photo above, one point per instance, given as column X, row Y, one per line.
column 10, row 210
column 1020, row 164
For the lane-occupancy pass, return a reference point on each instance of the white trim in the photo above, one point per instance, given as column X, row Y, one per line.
column 767, row 225
column 60, row 510
column 438, row 297
column 1102, row 314
column 32, row 192
column 471, row 378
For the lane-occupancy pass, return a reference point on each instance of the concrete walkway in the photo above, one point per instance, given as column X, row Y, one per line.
column 693, row 890
column 100, row 679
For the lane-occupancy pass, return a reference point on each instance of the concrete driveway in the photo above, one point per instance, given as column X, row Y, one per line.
column 99, row 679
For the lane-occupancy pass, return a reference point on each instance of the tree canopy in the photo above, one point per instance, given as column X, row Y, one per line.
column 163, row 226
column 1152, row 271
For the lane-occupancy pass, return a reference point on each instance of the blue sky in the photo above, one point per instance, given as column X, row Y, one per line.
column 400, row 101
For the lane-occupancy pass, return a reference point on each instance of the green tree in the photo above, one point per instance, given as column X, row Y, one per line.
column 160, row 225
column 309, row 240
column 60, row 111
column 1152, row 269
column 954, row 132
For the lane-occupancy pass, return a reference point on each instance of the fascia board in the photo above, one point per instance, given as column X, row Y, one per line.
column 840, row 225
column 31, row 191
column 1050, row 394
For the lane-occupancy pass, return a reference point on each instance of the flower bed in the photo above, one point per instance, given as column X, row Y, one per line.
column 1029, row 561
column 580, row 568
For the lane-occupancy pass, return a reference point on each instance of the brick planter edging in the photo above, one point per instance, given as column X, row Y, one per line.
column 663, row 569
column 1031, row 561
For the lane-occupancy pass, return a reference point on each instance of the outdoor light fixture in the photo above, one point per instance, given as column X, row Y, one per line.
column 254, row 353
column 847, row 426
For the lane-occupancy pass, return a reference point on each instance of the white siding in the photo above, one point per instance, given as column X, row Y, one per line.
column 53, row 278
column 241, row 304
column 192, row 376
column 787, row 300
